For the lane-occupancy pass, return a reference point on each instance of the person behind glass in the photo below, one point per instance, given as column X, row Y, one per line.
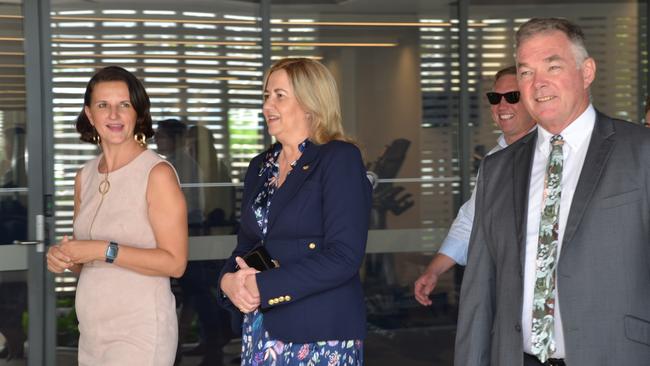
column 130, row 231
column 219, row 203
column 307, row 201
column 13, row 226
column 171, row 136
column 514, row 122
column 198, row 282
column 13, row 174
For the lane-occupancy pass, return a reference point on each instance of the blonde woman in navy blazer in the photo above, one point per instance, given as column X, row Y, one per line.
column 307, row 200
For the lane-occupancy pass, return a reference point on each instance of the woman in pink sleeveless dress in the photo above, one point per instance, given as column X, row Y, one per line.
column 130, row 231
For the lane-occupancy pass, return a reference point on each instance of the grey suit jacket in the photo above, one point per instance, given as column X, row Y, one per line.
column 603, row 275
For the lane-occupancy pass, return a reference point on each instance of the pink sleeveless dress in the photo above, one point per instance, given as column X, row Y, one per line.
column 125, row 318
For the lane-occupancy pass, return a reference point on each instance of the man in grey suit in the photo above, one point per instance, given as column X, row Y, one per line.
column 559, row 260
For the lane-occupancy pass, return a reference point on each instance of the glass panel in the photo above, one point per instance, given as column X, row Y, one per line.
column 13, row 188
column 397, row 71
column 13, row 155
column 201, row 66
column 202, row 69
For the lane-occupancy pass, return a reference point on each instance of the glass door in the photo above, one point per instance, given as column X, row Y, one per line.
column 14, row 190
column 23, row 181
column 200, row 64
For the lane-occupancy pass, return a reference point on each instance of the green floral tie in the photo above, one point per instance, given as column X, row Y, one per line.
column 543, row 339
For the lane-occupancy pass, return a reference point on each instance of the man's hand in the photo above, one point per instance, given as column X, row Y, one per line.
column 425, row 284
column 241, row 287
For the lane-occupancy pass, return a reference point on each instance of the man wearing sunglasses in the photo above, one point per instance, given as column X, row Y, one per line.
column 514, row 122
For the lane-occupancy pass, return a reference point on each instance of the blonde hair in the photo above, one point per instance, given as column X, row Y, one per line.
column 316, row 91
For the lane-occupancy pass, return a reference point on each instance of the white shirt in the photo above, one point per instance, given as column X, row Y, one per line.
column 457, row 241
column 456, row 244
column 576, row 141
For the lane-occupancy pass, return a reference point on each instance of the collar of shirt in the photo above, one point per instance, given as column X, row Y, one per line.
column 501, row 141
column 575, row 134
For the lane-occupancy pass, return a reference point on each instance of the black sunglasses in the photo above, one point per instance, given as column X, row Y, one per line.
column 512, row 97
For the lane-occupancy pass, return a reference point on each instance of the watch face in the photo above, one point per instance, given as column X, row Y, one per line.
column 111, row 252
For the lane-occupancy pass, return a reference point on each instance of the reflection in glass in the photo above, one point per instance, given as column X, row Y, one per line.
column 13, row 173
column 13, row 186
column 191, row 150
column 13, row 182
column 171, row 139
column 198, row 64
column 219, row 209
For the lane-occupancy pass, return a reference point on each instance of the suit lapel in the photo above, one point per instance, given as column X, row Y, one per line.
column 304, row 167
column 598, row 153
column 522, row 165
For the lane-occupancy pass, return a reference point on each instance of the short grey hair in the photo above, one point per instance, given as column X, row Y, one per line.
column 573, row 32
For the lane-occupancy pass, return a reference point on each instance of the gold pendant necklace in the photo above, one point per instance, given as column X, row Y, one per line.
column 104, row 187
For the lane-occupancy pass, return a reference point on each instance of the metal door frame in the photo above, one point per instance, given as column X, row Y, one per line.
column 40, row 170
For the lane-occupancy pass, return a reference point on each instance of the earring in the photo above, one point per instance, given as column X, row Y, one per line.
column 97, row 140
column 141, row 139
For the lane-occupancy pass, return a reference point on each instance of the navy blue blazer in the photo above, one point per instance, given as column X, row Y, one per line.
column 317, row 231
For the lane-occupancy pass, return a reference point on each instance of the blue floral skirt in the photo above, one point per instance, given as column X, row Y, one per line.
column 260, row 350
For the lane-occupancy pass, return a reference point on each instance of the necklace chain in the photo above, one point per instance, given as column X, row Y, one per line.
column 104, row 187
column 291, row 164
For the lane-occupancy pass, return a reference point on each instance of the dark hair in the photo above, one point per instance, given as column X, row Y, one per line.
column 647, row 104
column 171, row 127
column 572, row 31
column 137, row 94
column 510, row 70
column 16, row 130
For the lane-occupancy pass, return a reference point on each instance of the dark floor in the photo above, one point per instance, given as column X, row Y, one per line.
column 400, row 331
column 431, row 346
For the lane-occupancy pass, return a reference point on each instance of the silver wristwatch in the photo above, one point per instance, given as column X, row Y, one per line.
column 111, row 252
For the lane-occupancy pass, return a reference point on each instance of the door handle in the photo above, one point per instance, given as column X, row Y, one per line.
column 35, row 242
column 40, row 236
